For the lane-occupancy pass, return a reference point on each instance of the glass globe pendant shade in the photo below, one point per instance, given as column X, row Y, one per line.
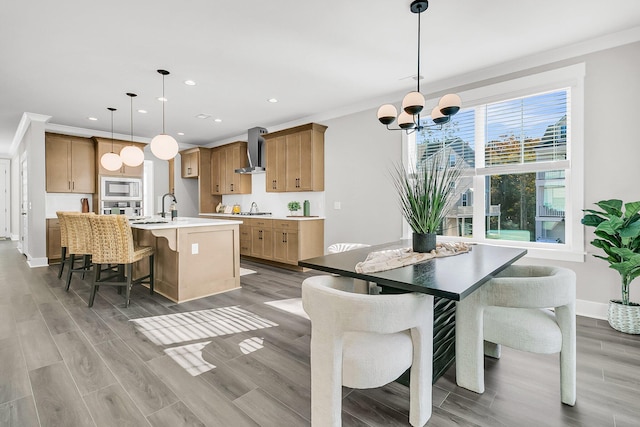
column 164, row 147
column 405, row 121
column 437, row 116
column 413, row 103
column 132, row 155
column 387, row 114
column 450, row 104
column 111, row 161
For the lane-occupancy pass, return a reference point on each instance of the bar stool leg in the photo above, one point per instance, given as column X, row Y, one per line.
column 72, row 259
column 129, row 283
column 151, row 278
column 94, row 288
column 62, row 261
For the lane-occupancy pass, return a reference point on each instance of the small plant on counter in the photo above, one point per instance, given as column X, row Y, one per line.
column 293, row 207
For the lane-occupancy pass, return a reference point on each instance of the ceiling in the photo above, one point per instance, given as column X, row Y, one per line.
column 71, row 60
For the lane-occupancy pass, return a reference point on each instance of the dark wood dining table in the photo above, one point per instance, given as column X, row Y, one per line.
column 448, row 279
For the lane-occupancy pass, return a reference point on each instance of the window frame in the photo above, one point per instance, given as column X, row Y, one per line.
column 571, row 78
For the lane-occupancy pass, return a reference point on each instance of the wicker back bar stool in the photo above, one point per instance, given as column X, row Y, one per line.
column 79, row 243
column 113, row 244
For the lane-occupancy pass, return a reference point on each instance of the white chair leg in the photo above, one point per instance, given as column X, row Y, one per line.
column 326, row 379
column 492, row 349
column 566, row 318
column 421, row 375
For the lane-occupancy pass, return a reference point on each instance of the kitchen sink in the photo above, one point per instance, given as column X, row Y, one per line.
column 253, row 213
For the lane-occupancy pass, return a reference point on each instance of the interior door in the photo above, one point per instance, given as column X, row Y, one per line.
column 4, row 197
column 24, row 209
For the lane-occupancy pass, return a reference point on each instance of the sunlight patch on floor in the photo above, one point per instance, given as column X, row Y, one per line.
column 196, row 325
column 292, row 305
column 190, row 358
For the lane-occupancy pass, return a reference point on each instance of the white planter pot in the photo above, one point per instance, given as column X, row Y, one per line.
column 624, row 318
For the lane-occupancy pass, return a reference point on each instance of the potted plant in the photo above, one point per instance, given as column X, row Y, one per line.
column 618, row 235
column 426, row 196
column 294, row 207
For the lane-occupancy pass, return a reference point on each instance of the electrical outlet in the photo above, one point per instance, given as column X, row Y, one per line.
column 194, row 249
column 337, row 205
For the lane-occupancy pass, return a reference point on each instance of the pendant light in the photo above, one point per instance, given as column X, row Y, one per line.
column 413, row 102
column 111, row 161
column 131, row 155
column 164, row 146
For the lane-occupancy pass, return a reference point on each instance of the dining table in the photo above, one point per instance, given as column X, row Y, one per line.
column 448, row 279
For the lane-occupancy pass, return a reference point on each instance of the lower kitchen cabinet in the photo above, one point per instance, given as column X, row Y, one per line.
column 54, row 251
column 281, row 241
column 262, row 239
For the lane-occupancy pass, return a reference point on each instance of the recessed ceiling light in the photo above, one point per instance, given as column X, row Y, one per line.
column 162, row 99
column 181, row 133
column 93, row 119
column 272, row 100
column 203, row 116
column 142, row 111
column 189, row 82
column 217, row 120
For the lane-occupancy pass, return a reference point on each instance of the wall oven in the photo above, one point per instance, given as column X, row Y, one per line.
column 120, row 189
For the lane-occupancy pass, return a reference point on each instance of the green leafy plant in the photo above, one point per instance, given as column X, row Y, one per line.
column 618, row 235
column 427, row 195
column 293, row 206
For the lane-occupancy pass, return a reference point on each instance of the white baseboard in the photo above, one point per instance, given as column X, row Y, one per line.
column 14, row 237
column 38, row 262
column 596, row 310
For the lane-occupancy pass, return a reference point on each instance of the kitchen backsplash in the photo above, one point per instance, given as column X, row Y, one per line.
column 276, row 203
column 65, row 202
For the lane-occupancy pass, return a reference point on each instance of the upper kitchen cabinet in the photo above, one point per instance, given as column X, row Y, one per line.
column 190, row 162
column 225, row 159
column 70, row 164
column 103, row 145
column 295, row 159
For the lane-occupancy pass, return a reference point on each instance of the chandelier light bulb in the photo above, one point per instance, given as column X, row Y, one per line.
column 164, row 147
column 437, row 116
column 405, row 121
column 132, row 155
column 111, row 161
column 450, row 104
column 413, row 103
column 387, row 114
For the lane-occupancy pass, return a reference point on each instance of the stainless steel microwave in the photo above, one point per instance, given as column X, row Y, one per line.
column 121, row 188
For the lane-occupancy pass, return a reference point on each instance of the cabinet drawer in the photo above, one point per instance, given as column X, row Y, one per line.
column 285, row 224
column 262, row 223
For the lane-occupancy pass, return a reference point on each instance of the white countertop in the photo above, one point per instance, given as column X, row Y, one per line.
column 181, row 222
column 241, row 217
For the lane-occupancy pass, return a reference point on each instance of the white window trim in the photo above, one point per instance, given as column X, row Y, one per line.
column 573, row 77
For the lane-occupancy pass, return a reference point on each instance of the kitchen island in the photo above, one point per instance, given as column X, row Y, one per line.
column 194, row 257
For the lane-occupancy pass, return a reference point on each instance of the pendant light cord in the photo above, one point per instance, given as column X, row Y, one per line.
column 417, row 122
column 131, row 109
column 164, row 101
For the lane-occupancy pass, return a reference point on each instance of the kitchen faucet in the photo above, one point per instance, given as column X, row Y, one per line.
column 254, row 208
column 174, row 201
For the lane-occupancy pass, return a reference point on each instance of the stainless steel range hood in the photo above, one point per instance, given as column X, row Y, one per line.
column 254, row 151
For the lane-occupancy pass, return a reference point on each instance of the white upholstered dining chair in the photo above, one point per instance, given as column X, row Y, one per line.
column 366, row 341
column 512, row 309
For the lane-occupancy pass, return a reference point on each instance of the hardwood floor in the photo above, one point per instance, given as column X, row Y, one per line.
column 232, row 360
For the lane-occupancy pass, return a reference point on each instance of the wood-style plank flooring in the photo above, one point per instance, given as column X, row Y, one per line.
column 232, row 360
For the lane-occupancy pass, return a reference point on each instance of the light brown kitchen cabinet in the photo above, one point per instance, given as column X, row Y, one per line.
column 295, row 159
column 54, row 250
column 262, row 238
column 225, row 160
column 69, row 164
column 190, row 162
column 285, row 242
column 245, row 238
column 103, row 145
column 275, row 163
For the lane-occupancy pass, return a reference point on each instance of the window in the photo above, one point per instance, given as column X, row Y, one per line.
column 521, row 145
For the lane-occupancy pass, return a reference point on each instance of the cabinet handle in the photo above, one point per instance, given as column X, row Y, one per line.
column 189, row 171
column 73, row 185
column 69, row 185
column 284, row 237
column 273, row 184
column 217, row 188
column 231, row 187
